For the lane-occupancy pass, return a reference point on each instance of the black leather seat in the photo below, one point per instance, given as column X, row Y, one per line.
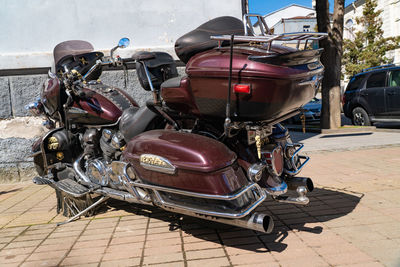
column 135, row 121
column 172, row 83
column 199, row 40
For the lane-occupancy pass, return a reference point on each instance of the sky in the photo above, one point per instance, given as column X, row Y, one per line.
column 264, row 7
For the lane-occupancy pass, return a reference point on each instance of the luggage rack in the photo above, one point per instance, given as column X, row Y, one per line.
column 268, row 39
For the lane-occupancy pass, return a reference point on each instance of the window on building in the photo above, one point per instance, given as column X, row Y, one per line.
column 306, row 28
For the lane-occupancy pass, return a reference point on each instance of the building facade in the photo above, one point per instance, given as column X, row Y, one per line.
column 390, row 21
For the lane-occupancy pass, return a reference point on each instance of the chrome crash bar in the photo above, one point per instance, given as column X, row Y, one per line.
column 292, row 160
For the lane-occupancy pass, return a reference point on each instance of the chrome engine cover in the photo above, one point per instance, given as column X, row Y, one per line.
column 109, row 174
column 98, row 172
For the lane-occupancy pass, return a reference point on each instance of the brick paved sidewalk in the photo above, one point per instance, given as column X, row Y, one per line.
column 353, row 220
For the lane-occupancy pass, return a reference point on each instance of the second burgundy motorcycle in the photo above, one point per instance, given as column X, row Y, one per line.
column 208, row 145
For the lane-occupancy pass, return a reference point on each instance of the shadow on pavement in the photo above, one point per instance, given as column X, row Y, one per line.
column 9, row 191
column 326, row 204
column 344, row 135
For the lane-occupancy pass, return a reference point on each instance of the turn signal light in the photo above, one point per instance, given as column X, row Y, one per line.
column 242, row 88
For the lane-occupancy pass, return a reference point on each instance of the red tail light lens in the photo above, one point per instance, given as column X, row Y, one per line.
column 242, row 88
column 274, row 159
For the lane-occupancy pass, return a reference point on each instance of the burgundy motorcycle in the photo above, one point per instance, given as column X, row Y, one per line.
column 208, row 145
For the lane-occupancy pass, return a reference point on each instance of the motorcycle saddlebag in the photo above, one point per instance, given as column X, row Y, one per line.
column 161, row 67
column 185, row 161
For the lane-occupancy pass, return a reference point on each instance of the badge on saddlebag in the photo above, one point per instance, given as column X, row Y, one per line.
column 156, row 163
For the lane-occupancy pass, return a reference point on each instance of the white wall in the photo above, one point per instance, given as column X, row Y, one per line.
column 31, row 28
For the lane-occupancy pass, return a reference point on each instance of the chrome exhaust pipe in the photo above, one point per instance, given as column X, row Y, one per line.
column 120, row 195
column 295, row 182
column 254, row 221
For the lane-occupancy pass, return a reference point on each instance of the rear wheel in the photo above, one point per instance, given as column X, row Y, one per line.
column 360, row 117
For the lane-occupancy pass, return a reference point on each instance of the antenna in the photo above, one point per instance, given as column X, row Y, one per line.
column 228, row 102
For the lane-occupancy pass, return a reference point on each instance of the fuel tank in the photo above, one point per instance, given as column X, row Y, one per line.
column 185, row 161
column 280, row 82
column 100, row 104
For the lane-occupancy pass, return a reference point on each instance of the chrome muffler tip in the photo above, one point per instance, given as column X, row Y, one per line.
column 261, row 222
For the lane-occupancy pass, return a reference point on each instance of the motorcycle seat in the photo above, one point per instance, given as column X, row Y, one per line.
column 199, row 40
column 143, row 55
column 134, row 121
column 172, row 83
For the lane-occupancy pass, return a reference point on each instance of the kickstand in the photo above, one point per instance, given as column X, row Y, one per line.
column 76, row 216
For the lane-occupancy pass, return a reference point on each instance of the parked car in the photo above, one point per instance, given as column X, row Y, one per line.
column 373, row 96
column 311, row 111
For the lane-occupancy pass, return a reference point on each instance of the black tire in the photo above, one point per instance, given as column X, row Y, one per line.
column 360, row 117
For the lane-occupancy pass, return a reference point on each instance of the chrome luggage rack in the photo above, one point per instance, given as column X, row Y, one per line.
column 269, row 38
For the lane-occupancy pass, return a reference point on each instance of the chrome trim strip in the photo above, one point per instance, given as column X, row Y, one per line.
column 213, row 213
column 199, row 195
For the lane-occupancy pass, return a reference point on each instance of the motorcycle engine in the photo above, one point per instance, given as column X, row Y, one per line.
column 104, row 169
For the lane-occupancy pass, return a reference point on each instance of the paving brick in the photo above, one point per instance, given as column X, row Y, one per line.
column 163, row 243
column 79, row 260
column 16, row 251
column 128, row 239
column 13, row 258
column 155, row 259
column 241, row 241
column 164, row 250
column 208, row 262
column 94, row 237
column 245, row 249
column 163, row 236
column 23, row 244
column 364, row 264
column 254, row 258
column 125, row 233
column 293, row 252
column 348, row 258
column 199, row 238
column 54, row 247
column 171, row 264
column 45, row 262
column 305, row 261
column 122, row 252
column 86, row 251
column 121, row 263
column 205, row 254
column 91, row 244
column 47, row 255
column 202, row 245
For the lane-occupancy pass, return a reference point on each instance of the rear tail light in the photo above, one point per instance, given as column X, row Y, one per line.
column 242, row 88
column 343, row 98
column 274, row 159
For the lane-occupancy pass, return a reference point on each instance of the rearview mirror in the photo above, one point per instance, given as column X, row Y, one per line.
column 124, row 42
